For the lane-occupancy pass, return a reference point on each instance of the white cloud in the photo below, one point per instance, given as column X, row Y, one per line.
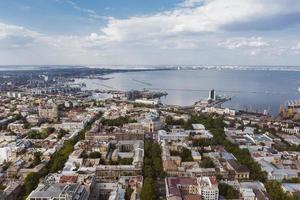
column 295, row 49
column 7, row 30
column 208, row 17
column 25, row 8
column 297, row 46
column 189, row 33
column 235, row 43
column 190, row 3
column 90, row 13
column 12, row 36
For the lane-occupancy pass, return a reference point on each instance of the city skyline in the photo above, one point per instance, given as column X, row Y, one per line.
column 189, row 32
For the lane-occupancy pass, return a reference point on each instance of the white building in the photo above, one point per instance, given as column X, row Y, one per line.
column 275, row 173
column 4, row 154
column 247, row 194
column 220, row 111
column 151, row 122
column 208, row 188
column 205, row 188
column 294, row 130
column 147, row 101
column 172, row 136
column 59, row 191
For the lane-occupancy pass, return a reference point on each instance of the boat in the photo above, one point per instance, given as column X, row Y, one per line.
column 298, row 89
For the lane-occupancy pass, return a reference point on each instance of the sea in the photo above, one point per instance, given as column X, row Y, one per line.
column 250, row 90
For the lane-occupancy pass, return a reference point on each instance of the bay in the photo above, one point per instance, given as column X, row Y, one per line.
column 252, row 90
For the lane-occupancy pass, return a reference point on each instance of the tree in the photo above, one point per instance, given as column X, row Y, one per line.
column 50, row 130
column 31, row 181
column 202, row 142
column 37, row 158
column 152, row 160
column 276, row 192
column 292, row 180
column 128, row 193
column 95, row 154
column 120, row 121
column 57, row 164
column 207, row 163
column 148, row 171
column 32, row 134
column 157, row 166
column 125, row 161
column 171, row 121
column 148, row 190
column 84, row 154
column 228, row 192
column 61, row 133
column 186, row 155
column 216, row 126
column 174, row 153
column 152, row 170
column 2, row 187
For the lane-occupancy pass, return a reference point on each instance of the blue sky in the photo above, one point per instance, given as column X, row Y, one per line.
column 143, row 32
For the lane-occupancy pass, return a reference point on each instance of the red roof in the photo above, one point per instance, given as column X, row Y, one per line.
column 213, row 180
column 192, row 197
column 68, row 179
column 174, row 181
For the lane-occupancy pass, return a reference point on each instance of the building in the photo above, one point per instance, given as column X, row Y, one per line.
column 59, row 191
column 252, row 190
column 11, row 192
column 48, row 111
column 25, row 171
column 212, row 95
column 5, row 154
column 181, row 188
column 220, row 111
column 111, row 172
column 292, row 188
column 119, row 135
column 208, row 187
column 294, row 130
column 130, row 149
column 275, row 173
column 178, row 187
column 16, row 127
column 238, row 171
column 151, row 122
column 172, row 136
column 147, row 101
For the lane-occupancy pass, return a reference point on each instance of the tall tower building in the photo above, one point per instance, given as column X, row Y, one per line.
column 212, row 95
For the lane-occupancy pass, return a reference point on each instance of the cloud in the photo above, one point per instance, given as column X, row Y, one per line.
column 90, row 13
column 296, row 47
column 194, row 31
column 202, row 17
column 12, row 36
column 190, row 3
column 235, row 43
column 25, row 8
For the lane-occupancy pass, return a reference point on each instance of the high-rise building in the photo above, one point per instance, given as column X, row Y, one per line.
column 212, row 95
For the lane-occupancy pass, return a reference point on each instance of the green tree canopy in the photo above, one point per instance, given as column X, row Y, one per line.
column 148, row 190
column 31, row 181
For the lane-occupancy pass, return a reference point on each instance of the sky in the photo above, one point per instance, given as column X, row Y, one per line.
column 150, row 32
